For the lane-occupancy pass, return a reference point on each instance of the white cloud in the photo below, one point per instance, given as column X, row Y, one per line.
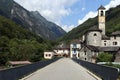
column 68, row 28
column 52, row 10
column 83, row 9
column 113, row 3
column 91, row 14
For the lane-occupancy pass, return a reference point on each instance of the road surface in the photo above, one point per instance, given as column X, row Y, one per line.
column 63, row 69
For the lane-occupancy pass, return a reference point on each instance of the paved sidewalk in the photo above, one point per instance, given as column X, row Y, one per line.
column 63, row 69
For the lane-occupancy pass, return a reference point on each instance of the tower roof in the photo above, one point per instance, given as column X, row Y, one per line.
column 101, row 7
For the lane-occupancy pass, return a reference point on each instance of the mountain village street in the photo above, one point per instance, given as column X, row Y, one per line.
column 63, row 69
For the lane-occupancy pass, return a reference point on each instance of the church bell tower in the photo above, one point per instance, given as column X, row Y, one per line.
column 101, row 19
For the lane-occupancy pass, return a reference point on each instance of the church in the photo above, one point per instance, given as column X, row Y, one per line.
column 95, row 41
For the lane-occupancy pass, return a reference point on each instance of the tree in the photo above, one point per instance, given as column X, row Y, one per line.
column 104, row 57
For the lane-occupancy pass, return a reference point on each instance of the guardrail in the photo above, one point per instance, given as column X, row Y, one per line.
column 20, row 72
column 106, row 73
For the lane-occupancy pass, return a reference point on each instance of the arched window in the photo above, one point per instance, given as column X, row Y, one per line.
column 95, row 34
column 102, row 13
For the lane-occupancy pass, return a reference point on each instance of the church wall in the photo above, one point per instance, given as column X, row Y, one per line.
column 94, row 38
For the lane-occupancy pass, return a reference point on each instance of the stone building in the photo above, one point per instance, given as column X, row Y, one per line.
column 95, row 40
column 96, row 36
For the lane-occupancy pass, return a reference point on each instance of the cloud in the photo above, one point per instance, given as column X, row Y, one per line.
column 68, row 28
column 92, row 14
column 113, row 3
column 52, row 10
column 89, row 15
column 83, row 8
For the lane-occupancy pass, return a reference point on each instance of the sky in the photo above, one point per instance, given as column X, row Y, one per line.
column 68, row 14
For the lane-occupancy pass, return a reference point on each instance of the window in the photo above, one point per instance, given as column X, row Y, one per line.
column 104, row 41
column 85, row 59
column 74, row 45
column 114, row 37
column 46, row 55
column 78, row 55
column 85, row 52
column 102, row 13
column 104, row 44
column 49, row 54
column 95, row 34
column 114, row 43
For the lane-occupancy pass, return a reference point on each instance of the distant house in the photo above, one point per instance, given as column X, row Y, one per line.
column 62, row 52
column 75, row 47
column 18, row 63
column 48, row 55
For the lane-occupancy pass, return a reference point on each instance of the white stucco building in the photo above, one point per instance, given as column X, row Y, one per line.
column 75, row 47
column 48, row 55
column 61, row 51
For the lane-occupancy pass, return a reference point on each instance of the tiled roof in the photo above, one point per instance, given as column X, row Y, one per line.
column 101, row 7
column 109, row 48
column 19, row 62
column 94, row 28
column 104, row 37
column 75, row 41
column 116, row 33
column 90, row 47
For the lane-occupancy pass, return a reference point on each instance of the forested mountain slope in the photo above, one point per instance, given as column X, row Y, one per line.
column 112, row 24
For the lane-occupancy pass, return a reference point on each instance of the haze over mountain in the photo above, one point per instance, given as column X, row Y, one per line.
column 32, row 21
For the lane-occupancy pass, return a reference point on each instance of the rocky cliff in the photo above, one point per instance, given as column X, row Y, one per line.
column 32, row 21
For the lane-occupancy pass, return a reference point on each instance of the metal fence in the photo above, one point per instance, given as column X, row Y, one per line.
column 19, row 72
column 106, row 73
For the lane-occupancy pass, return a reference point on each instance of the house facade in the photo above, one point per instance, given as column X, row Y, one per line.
column 61, row 51
column 75, row 47
column 48, row 55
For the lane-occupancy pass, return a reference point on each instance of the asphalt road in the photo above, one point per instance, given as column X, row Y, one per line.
column 63, row 69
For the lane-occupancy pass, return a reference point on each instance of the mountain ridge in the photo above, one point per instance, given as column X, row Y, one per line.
column 32, row 21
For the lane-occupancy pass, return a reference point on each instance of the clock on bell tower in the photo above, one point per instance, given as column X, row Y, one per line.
column 101, row 19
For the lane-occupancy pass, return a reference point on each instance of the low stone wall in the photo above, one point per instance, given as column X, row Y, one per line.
column 19, row 72
column 106, row 73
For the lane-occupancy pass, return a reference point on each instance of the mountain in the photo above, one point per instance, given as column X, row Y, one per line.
column 112, row 24
column 17, row 43
column 32, row 21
